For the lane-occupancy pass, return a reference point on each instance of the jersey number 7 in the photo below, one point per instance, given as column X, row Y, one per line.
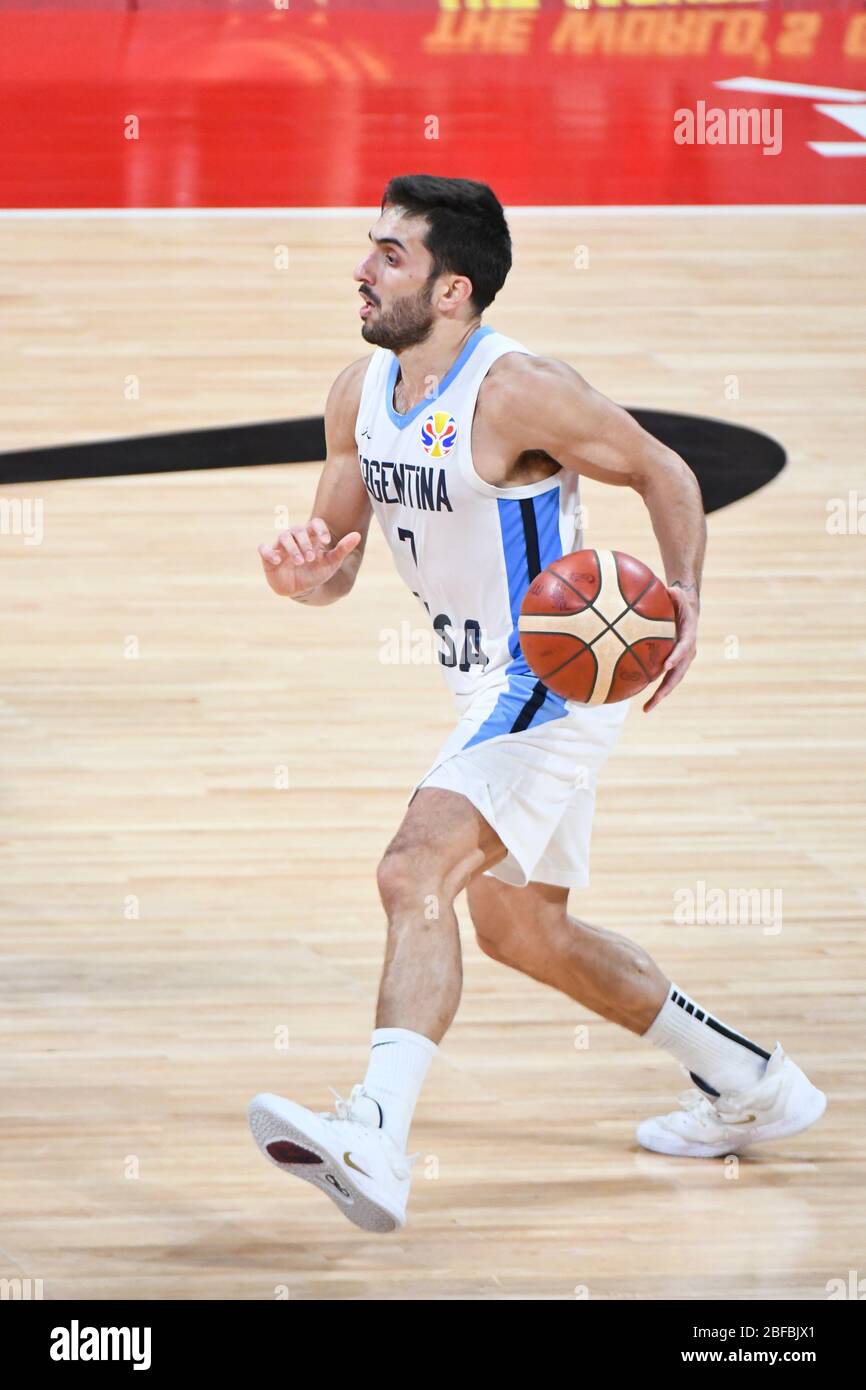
column 473, row 653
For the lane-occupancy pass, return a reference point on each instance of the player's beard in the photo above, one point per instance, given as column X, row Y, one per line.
column 407, row 323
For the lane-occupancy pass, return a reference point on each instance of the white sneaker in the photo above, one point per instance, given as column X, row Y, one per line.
column 359, row 1167
column 783, row 1102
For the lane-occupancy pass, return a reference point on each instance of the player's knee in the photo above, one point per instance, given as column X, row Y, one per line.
column 394, row 877
column 508, row 942
column 490, row 930
column 492, row 943
column 514, row 940
column 410, row 882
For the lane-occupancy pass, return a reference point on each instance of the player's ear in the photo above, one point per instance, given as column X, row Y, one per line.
column 457, row 292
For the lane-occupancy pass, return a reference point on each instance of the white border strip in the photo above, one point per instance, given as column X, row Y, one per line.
column 686, row 209
column 553, row 210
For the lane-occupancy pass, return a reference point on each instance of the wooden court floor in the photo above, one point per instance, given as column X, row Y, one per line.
column 198, row 781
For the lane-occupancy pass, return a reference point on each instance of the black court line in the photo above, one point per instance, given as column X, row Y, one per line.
column 729, row 461
column 226, row 446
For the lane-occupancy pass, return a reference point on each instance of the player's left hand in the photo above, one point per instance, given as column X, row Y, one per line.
column 687, row 606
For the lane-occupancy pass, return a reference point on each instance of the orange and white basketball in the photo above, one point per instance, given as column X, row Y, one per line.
column 597, row 626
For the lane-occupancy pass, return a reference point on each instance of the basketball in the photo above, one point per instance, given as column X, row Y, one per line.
column 597, row 626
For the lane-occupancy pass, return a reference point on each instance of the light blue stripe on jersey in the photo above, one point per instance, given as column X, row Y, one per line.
column 453, row 371
column 521, row 680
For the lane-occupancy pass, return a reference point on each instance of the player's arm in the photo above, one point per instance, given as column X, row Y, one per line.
column 590, row 434
column 318, row 562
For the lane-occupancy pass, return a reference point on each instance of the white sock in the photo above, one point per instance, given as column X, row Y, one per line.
column 398, row 1065
column 718, row 1058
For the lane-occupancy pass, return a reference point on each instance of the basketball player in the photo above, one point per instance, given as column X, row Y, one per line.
column 468, row 448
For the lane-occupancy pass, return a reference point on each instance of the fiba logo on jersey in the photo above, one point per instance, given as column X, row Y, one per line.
column 438, row 434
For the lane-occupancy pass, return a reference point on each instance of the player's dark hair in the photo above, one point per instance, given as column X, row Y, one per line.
column 467, row 231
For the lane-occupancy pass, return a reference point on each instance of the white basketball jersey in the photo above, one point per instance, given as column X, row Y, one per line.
column 466, row 549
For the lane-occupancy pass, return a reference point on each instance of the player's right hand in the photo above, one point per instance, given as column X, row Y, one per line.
column 302, row 557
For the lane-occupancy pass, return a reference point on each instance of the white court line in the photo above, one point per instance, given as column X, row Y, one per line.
column 838, row 149
column 770, row 87
column 554, row 209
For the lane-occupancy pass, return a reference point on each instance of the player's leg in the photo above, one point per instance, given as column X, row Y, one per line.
column 357, row 1155
column 530, row 929
column 746, row 1093
column 441, row 844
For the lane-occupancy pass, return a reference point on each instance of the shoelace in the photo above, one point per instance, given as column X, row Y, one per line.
column 724, row 1109
column 401, row 1164
column 700, row 1107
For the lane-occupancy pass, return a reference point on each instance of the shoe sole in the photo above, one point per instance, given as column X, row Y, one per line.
column 809, row 1112
column 271, row 1125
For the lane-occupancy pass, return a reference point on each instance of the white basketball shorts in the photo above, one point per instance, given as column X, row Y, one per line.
column 535, row 785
